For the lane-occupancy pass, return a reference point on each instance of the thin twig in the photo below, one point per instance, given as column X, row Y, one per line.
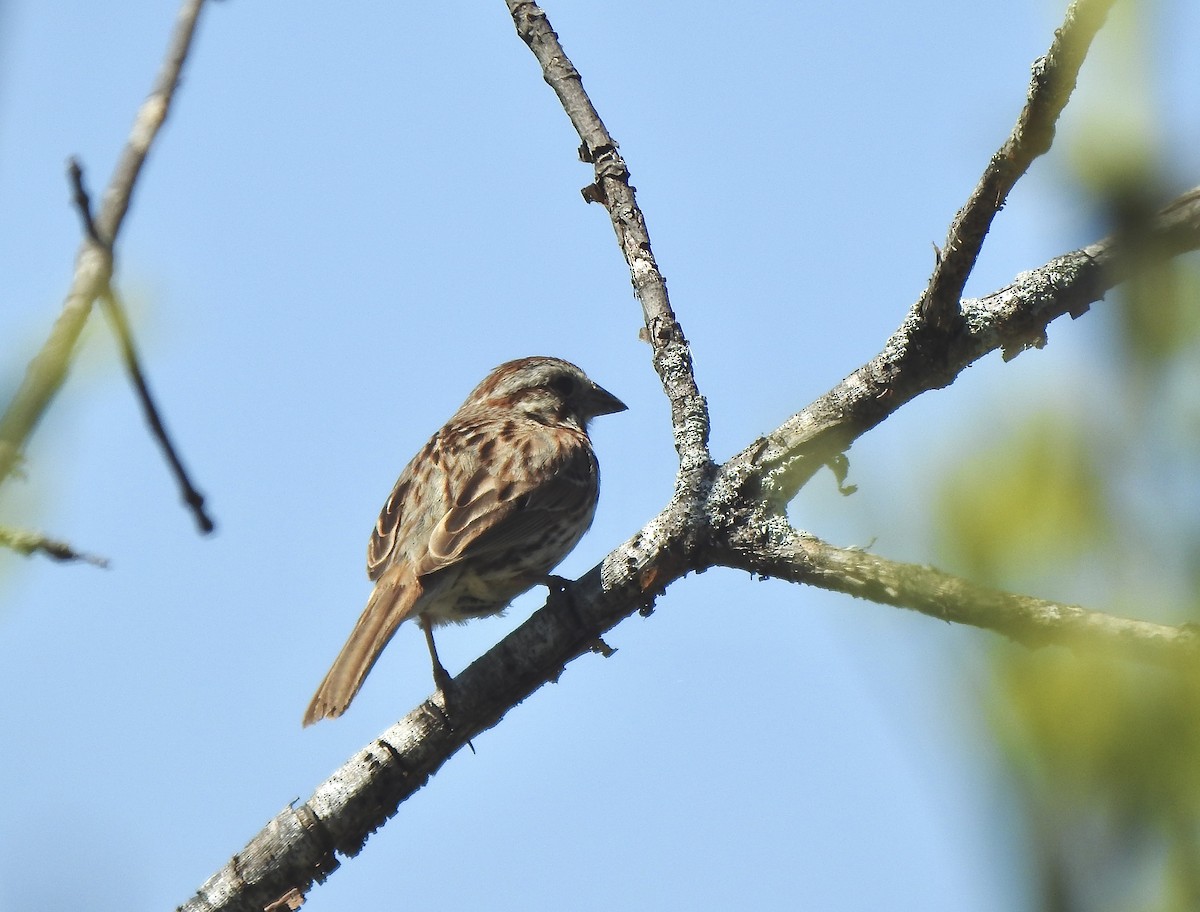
column 1050, row 89
column 93, row 269
column 115, row 311
column 150, row 118
column 83, row 203
column 24, row 542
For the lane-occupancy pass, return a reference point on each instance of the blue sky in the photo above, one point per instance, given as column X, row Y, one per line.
column 353, row 214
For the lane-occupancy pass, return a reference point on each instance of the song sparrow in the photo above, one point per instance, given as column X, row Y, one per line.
column 492, row 502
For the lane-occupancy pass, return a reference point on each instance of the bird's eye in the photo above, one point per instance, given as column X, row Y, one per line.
column 563, row 384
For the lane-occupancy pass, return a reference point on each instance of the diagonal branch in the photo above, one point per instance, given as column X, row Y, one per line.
column 93, row 266
column 1049, row 91
column 299, row 847
column 1010, row 319
column 115, row 311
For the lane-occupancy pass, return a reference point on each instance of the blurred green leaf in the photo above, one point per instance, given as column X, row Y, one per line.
column 1159, row 309
column 1107, row 754
column 1025, row 506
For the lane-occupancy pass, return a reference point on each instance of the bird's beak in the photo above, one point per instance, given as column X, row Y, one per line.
column 601, row 402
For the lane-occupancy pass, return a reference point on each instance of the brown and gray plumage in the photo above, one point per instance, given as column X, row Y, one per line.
column 484, row 512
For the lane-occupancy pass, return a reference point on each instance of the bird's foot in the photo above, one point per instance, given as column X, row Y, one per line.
column 560, row 594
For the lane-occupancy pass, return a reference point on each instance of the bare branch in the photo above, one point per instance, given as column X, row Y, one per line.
column 1049, row 91
column 1033, row 622
column 93, row 266
column 1011, row 319
column 150, row 118
column 672, row 357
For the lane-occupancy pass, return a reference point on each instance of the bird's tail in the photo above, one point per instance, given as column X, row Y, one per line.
column 390, row 604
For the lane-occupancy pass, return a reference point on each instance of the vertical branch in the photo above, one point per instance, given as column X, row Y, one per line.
column 672, row 356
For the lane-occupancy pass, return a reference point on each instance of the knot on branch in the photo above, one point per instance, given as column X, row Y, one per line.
column 737, row 509
column 608, row 165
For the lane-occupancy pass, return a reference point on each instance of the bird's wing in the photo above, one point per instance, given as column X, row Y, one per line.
column 390, row 527
column 503, row 508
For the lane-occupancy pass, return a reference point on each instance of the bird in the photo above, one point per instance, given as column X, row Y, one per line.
column 486, row 509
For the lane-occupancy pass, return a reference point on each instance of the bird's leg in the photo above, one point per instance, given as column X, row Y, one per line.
column 560, row 591
column 441, row 677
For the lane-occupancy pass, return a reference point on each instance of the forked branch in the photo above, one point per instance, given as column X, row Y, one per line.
column 1054, row 78
column 93, row 266
column 910, row 363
